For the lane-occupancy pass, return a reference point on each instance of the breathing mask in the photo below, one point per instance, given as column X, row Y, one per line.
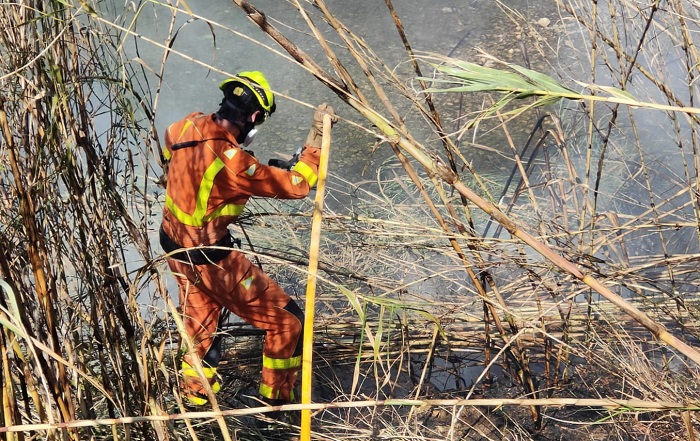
column 249, row 138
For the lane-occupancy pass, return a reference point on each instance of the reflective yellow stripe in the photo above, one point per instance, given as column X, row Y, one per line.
column 199, row 217
column 189, row 371
column 179, row 214
column 205, row 188
column 187, row 219
column 306, row 171
column 166, row 152
column 196, row 401
column 266, row 391
column 281, row 363
column 209, row 373
column 199, row 400
column 225, row 210
column 184, row 128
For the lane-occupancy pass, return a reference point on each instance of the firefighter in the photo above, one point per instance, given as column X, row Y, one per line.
column 210, row 179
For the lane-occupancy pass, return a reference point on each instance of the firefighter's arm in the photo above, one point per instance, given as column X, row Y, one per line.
column 261, row 180
column 295, row 183
column 307, row 165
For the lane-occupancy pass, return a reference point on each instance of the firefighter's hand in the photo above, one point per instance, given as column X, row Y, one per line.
column 281, row 163
column 285, row 164
column 316, row 132
column 323, row 109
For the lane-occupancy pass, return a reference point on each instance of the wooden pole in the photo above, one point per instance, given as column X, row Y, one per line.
column 307, row 364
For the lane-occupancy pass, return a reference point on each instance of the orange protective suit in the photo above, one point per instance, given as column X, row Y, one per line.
column 210, row 179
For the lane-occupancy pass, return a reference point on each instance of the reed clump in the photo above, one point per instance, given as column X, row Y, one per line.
column 514, row 256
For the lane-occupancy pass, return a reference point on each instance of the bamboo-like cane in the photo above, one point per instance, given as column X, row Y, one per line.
column 307, row 365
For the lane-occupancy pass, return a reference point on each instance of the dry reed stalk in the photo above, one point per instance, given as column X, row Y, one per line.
column 447, row 143
column 9, row 415
column 609, row 404
column 37, row 257
column 310, row 308
column 516, row 356
column 83, row 357
column 396, row 137
column 691, row 112
column 432, row 164
column 110, row 306
column 435, row 167
column 687, row 420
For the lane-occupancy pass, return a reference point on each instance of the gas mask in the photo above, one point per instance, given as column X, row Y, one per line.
column 249, row 137
column 247, row 133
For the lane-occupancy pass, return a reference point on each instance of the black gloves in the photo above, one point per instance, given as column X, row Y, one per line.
column 281, row 163
column 286, row 165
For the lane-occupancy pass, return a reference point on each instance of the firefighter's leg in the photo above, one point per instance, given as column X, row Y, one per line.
column 260, row 301
column 200, row 314
column 272, row 372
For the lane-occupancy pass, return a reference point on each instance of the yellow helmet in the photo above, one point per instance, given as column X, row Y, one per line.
column 250, row 91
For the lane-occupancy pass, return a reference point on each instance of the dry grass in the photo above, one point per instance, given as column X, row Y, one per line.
column 432, row 321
